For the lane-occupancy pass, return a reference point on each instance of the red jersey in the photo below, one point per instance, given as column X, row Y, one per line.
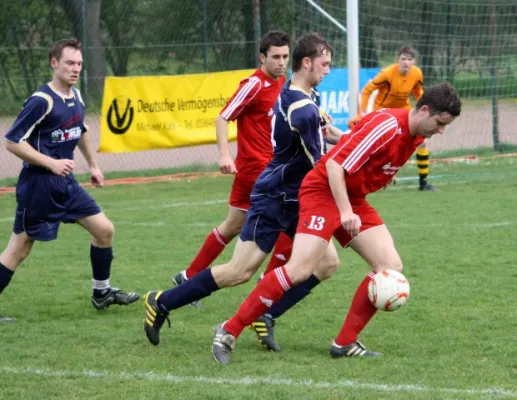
column 378, row 146
column 252, row 106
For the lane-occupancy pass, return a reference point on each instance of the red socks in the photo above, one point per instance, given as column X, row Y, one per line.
column 360, row 313
column 281, row 253
column 213, row 246
column 267, row 292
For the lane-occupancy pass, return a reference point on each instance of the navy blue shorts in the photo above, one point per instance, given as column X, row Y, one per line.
column 44, row 200
column 266, row 218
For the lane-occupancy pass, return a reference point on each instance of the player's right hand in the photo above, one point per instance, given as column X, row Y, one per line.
column 351, row 222
column 226, row 165
column 62, row 167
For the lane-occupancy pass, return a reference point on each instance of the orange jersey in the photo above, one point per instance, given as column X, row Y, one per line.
column 394, row 88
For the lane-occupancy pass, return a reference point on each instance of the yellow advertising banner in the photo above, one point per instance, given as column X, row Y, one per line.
column 162, row 112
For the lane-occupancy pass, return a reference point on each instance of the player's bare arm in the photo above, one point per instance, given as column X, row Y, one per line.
column 86, row 148
column 226, row 163
column 27, row 153
column 333, row 134
column 350, row 221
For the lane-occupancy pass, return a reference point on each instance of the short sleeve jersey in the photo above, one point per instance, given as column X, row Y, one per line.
column 371, row 154
column 50, row 122
column 298, row 143
column 252, row 107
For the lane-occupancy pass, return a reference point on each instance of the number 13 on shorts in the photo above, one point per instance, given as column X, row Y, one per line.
column 316, row 223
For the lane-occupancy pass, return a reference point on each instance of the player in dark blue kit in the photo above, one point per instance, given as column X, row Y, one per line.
column 45, row 134
column 298, row 142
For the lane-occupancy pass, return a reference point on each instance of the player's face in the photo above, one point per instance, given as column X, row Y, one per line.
column 276, row 61
column 405, row 63
column 432, row 124
column 320, row 67
column 68, row 68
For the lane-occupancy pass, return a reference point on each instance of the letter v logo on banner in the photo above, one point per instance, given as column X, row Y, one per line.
column 122, row 122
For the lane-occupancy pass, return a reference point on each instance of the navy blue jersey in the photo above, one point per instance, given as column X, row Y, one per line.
column 298, row 143
column 50, row 122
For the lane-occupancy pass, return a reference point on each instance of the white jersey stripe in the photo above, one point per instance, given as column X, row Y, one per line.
column 241, row 96
column 367, row 142
column 238, row 99
column 50, row 104
column 344, row 144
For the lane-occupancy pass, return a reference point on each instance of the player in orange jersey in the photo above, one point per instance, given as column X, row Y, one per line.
column 395, row 85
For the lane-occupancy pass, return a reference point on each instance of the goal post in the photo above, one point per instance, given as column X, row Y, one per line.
column 352, row 40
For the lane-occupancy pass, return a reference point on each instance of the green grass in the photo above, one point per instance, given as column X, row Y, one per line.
column 454, row 340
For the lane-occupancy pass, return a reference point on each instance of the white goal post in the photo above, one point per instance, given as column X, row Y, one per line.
column 352, row 34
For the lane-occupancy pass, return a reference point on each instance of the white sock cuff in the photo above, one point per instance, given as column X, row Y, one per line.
column 100, row 285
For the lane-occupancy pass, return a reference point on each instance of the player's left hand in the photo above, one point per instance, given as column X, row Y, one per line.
column 97, row 178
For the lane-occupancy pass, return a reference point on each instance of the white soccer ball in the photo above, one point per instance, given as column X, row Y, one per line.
column 388, row 290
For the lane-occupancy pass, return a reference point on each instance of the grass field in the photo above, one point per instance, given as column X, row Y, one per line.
column 456, row 338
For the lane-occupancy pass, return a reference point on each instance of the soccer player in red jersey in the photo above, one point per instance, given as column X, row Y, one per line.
column 252, row 107
column 299, row 134
column 333, row 203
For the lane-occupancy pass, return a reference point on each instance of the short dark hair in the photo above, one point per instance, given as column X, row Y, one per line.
column 409, row 50
column 274, row 39
column 56, row 50
column 309, row 45
column 441, row 98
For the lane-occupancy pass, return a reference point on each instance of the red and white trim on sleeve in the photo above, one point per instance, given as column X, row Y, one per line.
column 241, row 98
column 368, row 144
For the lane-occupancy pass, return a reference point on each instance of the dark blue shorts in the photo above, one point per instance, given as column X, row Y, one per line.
column 266, row 218
column 44, row 200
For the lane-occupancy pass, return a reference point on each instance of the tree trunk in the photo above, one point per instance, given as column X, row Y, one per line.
column 94, row 70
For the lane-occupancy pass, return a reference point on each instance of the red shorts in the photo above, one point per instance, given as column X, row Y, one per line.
column 241, row 191
column 319, row 216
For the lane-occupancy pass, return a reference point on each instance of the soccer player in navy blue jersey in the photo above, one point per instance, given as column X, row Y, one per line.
column 45, row 135
column 298, row 142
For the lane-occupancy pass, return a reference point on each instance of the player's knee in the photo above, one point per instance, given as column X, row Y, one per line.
column 299, row 273
column 13, row 256
column 104, row 234
column 235, row 275
column 245, row 275
column 327, row 269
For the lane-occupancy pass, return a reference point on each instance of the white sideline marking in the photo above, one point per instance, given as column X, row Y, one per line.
column 145, row 223
column 168, row 205
column 153, row 377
